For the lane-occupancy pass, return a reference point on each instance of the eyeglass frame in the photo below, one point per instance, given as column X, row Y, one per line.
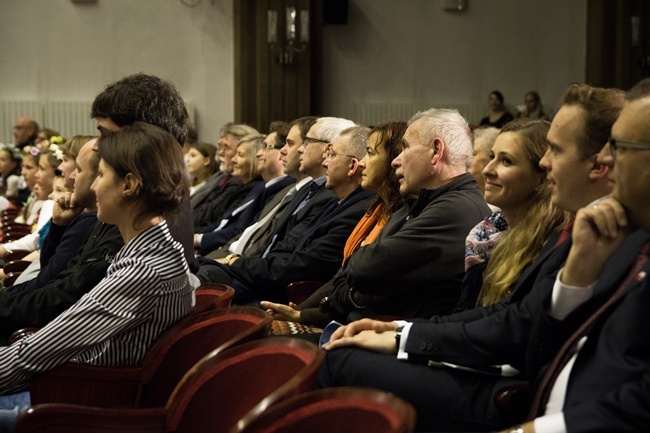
column 307, row 140
column 270, row 146
column 613, row 144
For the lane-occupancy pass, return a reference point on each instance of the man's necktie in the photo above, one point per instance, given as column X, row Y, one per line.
column 264, row 222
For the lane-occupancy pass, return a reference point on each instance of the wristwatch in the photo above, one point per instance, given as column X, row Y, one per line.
column 398, row 336
column 230, row 258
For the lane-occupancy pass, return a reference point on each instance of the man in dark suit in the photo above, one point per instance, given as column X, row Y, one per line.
column 452, row 398
column 306, row 245
column 259, row 233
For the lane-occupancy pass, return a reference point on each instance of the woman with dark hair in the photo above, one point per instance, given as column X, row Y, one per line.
column 10, row 159
column 383, row 146
column 201, row 164
column 148, row 285
column 500, row 247
column 498, row 115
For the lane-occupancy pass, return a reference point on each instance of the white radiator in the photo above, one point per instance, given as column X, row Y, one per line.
column 68, row 117
column 375, row 113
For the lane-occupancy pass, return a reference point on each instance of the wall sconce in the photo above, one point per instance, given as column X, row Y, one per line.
column 284, row 54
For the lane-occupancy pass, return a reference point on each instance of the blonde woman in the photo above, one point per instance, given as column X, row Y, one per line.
column 500, row 247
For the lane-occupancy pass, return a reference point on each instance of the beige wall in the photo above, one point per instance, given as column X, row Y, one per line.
column 406, row 52
column 413, row 52
column 59, row 50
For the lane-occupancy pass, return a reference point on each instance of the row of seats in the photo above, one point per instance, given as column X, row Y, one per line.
column 214, row 371
column 11, row 231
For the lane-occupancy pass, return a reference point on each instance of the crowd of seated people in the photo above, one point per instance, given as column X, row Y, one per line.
column 456, row 261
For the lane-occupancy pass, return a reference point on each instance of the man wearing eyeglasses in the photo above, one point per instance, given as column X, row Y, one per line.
column 271, row 170
column 258, row 234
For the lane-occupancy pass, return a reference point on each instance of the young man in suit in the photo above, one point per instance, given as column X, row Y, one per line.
column 450, row 399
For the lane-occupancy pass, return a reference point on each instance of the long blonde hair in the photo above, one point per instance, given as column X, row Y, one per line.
column 520, row 247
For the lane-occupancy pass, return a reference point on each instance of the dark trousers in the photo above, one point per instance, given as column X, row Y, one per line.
column 445, row 399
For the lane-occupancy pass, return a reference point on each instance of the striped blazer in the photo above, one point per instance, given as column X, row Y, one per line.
column 147, row 288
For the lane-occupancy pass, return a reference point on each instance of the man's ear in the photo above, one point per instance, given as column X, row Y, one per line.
column 598, row 170
column 439, row 149
column 130, row 185
column 354, row 167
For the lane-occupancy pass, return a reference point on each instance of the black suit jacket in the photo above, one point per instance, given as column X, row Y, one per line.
column 548, row 262
column 292, row 260
column 260, row 196
column 609, row 385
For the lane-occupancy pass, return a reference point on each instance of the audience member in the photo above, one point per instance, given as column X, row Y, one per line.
column 146, row 98
column 74, row 216
column 69, row 151
column 201, row 165
column 147, row 287
column 485, row 336
column 484, row 139
column 270, row 168
column 498, row 115
column 10, row 180
column 260, row 233
column 25, row 131
column 223, row 196
column 383, row 145
column 532, row 108
column 29, row 212
column 312, row 251
column 503, row 245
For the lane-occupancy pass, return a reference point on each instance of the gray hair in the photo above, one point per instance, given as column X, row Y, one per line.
column 358, row 140
column 449, row 125
column 484, row 138
column 329, row 128
column 238, row 130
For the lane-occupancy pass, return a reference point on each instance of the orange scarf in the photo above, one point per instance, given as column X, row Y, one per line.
column 366, row 231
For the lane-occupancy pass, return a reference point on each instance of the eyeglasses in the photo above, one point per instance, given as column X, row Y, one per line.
column 613, row 144
column 332, row 154
column 307, row 140
column 273, row 146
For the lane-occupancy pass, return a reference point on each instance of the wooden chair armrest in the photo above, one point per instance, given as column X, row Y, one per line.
column 22, row 333
column 299, row 291
column 10, row 279
column 512, row 402
column 15, row 255
column 15, row 266
column 60, row 418
column 18, row 226
column 87, row 385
